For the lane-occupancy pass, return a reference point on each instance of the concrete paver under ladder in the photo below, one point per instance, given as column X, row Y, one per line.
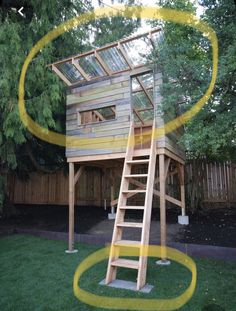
column 114, row 261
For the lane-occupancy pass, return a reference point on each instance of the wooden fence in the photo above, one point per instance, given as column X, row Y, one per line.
column 205, row 182
column 211, row 182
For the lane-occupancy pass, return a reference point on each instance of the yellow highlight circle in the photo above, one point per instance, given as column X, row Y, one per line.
column 135, row 303
column 129, row 12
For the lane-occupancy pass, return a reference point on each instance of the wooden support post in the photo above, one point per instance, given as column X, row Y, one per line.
column 112, row 198
column 162, row 205
column 112, row 214
column 71, row 208
column 182, row 190
column 78, row 174
column 182, row 219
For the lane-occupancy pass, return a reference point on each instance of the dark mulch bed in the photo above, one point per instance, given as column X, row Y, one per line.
column 54, row 218
column 213, row 227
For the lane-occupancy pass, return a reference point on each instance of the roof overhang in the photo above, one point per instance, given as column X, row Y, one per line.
column 125, row 55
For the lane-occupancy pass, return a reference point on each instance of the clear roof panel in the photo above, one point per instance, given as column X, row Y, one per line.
column 139, row 93
column 140, row 100
column 150, row 92
column 114, row 60
column 135, row 85
column 142, row 97
column 138, row 50
column 136, row 119
column 91, row 66
column 146, row 115
column 107, row 112
column 70, row 72
column 147, row 80
column 157, row 37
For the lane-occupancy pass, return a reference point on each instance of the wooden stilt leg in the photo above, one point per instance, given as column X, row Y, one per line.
column 112, row 214
column 162, row 205
column 182, row 190
column 112, row 198
column 182, row 219
column 71, row 208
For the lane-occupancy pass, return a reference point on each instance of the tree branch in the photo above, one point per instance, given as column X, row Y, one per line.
column 35, row 163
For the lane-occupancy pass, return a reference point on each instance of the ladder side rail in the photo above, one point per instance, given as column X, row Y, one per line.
column 124, row 182
column 147, row 212
column 117, row 231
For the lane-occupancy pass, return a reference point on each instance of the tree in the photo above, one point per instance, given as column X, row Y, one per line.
column 43, row 91
column 185, row 58
column 213, row 131
column 116, row 27
column 20, row 151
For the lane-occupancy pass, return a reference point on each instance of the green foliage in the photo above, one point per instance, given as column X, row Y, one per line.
column 185, row 58
column 44, row 92
column 218, row 119
column 116, row 27
column 2, row 191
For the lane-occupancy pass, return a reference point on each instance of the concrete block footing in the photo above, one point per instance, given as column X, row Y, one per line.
column 71, row 252
column 128, row 285
column 112, row 216
column 183, row 220
column 163, row 262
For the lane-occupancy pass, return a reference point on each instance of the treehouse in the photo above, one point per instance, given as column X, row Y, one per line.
column 113, row 112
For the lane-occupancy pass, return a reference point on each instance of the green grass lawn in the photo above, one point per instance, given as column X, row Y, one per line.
column 37, row 274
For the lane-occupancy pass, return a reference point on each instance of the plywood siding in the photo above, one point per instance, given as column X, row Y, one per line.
column 100, row 137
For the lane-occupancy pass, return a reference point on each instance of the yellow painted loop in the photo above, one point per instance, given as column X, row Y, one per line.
column 129, row 12
column 135, row 303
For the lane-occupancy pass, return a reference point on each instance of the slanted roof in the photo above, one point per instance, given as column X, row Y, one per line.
column 117, row 57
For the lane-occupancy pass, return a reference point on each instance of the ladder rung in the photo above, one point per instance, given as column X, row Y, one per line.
column 125, row 263
column 128, row 243
column 136, row 175
column 132, row 207
column 134, row 191
column 138, row 161
column 130, row 224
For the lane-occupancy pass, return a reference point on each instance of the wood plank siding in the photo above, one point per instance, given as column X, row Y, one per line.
column 110, row 136
column 110, row 91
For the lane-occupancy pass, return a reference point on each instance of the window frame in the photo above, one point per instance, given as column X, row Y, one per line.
column 80, row 111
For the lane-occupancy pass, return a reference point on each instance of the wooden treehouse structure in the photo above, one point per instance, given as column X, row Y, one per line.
column 113, row 108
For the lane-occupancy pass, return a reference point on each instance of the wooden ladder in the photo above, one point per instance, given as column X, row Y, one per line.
column 117, row 242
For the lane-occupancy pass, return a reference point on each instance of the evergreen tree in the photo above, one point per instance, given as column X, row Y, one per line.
column 20, row 151
column 213, row 131
column 44, row 93
column 185, row 58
